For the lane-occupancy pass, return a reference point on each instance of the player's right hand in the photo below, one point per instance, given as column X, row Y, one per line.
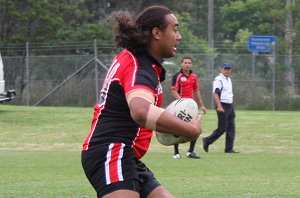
column 197, row 125
column 220, row 109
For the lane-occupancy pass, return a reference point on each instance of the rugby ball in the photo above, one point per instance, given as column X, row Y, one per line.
column 185, row 109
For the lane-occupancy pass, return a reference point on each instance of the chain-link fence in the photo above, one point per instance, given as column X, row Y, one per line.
column 260, row 81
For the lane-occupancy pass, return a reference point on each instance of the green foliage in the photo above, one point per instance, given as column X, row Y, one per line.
column 81, row 20
column 261, row 17
column 190, row 43
column 242, row 35
column 100, row 31
column 32, row 21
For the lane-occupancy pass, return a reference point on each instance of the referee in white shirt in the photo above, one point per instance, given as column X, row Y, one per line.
column 223, row 97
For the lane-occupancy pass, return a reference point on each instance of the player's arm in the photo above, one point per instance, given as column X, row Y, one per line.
column 175, row 93
column 217, row 101
column 199, row 99
column 217, row 94
column 174, row 87
column 146, row 114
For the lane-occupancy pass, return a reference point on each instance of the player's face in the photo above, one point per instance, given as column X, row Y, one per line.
column 226, row 71
column 186, row 65
column 171, row 37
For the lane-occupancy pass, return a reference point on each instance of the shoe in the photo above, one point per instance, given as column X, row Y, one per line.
column 232, row 151
column 177, row 156
column 192, row 155
column 205, row 145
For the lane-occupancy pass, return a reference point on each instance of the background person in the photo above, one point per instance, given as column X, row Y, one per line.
column 223, row 97
column 184, row 85
column 128, row 109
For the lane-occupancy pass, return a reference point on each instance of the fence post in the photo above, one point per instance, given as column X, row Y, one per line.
column 253, row 64
column 27, row 74
column 210, row 38
column 212, row 62
column 96, row 71
column 274, row 77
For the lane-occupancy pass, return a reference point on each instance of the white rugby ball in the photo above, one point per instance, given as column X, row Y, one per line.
column 185, row 109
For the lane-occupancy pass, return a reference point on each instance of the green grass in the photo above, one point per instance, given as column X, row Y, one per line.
column 41, row 146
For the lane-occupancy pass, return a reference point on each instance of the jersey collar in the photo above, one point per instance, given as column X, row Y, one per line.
column 181, row 71
column 155, row 62
column 223, row 76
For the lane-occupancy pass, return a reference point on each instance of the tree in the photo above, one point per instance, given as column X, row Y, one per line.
column 190, row 43
column 289, row 73
column 266, row 18
column 28, row 20
column 260, row 17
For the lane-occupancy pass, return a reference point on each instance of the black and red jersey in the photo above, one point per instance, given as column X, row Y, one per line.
column 185, row 85
column 112, row 121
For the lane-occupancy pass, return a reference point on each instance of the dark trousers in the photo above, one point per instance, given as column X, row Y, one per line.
column 226, row 123
column 191, row 149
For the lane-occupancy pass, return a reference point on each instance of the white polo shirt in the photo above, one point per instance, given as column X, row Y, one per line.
column 224, row 84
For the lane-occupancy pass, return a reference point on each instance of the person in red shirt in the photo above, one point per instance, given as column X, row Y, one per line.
column 129, row 108
column 184, row 85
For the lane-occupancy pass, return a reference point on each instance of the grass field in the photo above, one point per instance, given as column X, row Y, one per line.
column 41, row 146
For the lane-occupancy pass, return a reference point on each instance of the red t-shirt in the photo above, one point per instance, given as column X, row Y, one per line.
column 112, row 121
column 185, row 85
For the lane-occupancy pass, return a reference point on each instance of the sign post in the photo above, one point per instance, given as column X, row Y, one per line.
column 257, row 44
column 261, row 43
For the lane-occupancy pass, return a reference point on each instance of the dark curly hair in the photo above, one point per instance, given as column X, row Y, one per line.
column 135, row 35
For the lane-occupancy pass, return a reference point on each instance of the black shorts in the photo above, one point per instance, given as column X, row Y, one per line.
column 114, row 167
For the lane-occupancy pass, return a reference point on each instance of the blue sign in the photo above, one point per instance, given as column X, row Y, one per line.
column 261, row 43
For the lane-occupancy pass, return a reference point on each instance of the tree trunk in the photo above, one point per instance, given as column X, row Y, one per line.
column 289, row 73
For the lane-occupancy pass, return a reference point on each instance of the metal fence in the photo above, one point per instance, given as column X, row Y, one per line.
column 259, row 81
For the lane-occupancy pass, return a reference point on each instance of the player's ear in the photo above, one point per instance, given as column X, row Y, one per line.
column 156, row 33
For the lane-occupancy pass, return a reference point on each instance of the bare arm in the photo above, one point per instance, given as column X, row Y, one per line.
column 175, row 94
column 218, row 103
column 166, row 122
column 199, row 99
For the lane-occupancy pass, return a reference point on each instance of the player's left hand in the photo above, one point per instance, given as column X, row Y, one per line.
column 204, row 109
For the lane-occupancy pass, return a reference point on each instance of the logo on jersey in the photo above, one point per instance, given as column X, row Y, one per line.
column 183, row 79
column 113, row 69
